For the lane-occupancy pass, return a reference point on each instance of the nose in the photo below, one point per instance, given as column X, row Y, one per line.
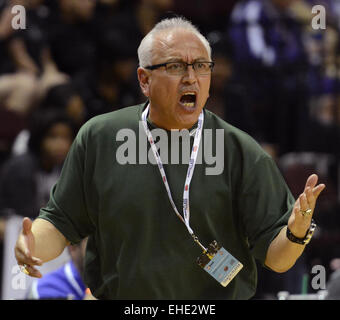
column 190, row 75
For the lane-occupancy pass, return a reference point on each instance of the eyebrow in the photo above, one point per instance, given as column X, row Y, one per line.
column 176, row 59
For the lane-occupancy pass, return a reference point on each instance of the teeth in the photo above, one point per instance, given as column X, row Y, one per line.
column 189, row 94
column 189, row 104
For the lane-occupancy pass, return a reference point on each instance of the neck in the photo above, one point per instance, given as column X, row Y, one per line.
column 168, row 126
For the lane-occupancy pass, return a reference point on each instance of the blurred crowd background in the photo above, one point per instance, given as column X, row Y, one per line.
column 275, row 77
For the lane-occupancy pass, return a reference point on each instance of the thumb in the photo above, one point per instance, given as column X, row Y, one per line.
column 26, row 231
column 26, row 226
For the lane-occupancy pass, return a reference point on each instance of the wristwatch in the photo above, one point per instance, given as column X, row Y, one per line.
column 305, row 240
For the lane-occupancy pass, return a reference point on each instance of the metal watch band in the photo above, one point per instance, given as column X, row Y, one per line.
column 305, row 240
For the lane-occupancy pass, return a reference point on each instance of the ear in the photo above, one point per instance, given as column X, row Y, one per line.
column 144, row 80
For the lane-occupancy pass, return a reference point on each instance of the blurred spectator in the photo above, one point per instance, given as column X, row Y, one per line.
column 65, row 283
column 18, row 93
column 27, row 46
column 127, row 20
column 71, row 38
column 71, row 35
column 61, row 97
column 228, row 98
column 149, row 12
column 15, row 95
column 270, row 61
column 115, row 83
column 25, row 69
column 26, row 180
column 6, row 31
column 66, row 98
column 335, row 264
column 17, row 68
column 22, row 51
column 323, row 125
column 322, row 120
column 333, row 286
column 200, row 12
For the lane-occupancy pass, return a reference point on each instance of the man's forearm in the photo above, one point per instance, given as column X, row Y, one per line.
column 49, row 241
column 283, row 253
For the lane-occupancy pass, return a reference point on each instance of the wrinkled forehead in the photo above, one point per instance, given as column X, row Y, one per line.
column 178, row 44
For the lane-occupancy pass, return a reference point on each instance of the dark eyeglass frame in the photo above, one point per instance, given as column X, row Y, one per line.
column 156, row 66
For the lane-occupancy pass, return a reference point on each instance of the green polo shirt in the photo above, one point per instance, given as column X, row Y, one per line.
column 138, row 248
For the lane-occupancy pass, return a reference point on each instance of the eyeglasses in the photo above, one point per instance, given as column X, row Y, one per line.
column 180, row 68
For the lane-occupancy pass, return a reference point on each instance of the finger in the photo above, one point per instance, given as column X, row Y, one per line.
column 310, row 198
column 311, row 181
column 30, row 271
column 23, row 259
column 313, row 193
column 297, row 209
column 35, row 261
column 303, row 202
column 318, row 189
column 33, row 272
column 20, row 248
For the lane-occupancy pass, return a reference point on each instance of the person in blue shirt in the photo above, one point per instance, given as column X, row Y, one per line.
column 65, row 283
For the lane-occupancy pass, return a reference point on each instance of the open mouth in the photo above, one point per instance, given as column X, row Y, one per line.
column 188, row 99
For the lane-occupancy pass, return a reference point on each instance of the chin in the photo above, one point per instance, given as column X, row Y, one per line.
column 187, row 122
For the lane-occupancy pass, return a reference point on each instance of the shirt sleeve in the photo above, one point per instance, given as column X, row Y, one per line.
column 266, row 204
column 68, row 208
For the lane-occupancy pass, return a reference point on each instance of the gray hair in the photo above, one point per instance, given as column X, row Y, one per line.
column 146, row 45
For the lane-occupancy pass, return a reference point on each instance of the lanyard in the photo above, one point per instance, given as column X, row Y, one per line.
column 192, row 162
